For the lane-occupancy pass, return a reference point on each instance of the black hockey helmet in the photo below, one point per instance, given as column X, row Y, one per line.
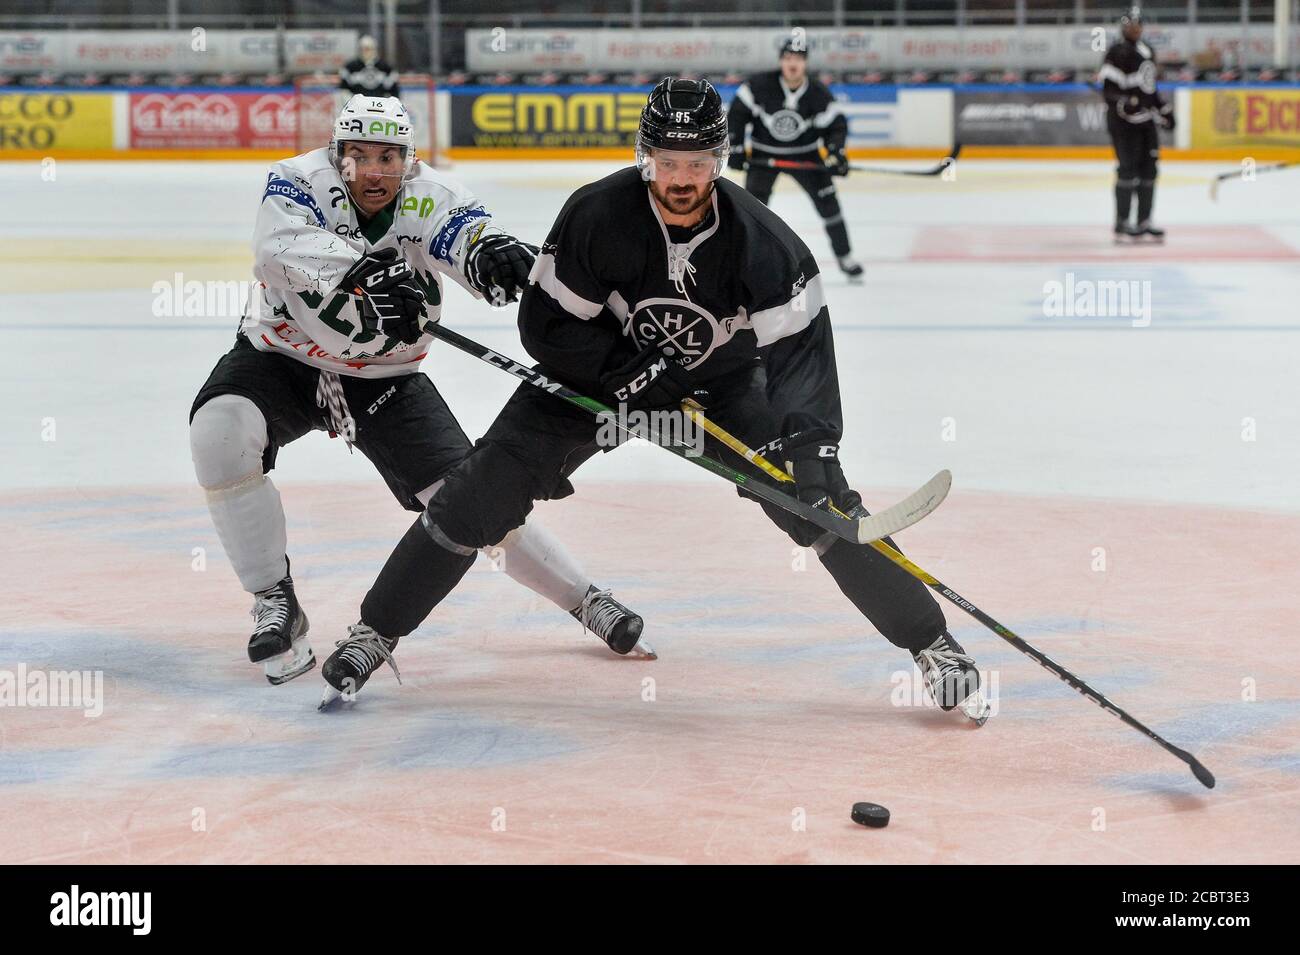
column 1132, row 15
column 795, row 43
column 684, row 115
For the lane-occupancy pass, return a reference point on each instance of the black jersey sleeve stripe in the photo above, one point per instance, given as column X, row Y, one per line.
column 746, row 96
column 1111, row 72
column 791, row 316
column 545, row 277
column 827, row 116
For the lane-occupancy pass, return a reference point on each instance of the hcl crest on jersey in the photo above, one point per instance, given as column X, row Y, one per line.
column 683, row 329
column 785, row 125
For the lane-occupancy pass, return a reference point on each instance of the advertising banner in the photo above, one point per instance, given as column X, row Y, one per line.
column 52, row 121
column 607, row 116
column 747, row 49
column 533, row 117
column 174, row 51
column 744, row 49
column 212, row 120
column 1071, row 116
column 1250, row 117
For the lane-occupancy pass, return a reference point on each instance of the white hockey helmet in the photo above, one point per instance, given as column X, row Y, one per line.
column 374, row 119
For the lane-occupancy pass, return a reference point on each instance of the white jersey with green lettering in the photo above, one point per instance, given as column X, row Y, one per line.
column 308, row 235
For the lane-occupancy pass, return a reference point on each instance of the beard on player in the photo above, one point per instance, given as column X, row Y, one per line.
column 681, row 199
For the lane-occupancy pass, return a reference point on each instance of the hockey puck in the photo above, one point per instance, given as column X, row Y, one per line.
column 870, row 815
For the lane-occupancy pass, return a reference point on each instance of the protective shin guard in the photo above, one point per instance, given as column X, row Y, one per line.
column 417, row 576
column 534, row 557
column 896, row 603
column 249, row 519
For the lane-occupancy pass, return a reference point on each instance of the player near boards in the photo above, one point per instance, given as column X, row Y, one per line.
column 788, row 113
column 367, row 74
column 1135, row 113
column 350, row 246
column 661, row 282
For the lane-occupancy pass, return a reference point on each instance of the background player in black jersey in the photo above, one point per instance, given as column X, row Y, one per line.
column 788, row 113
column 368, row 74
column 658, row 283
column 1135, row 111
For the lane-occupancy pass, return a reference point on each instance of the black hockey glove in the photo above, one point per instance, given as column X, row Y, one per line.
column 1167, row 117
column 498, row 266
column 836, row 162
column 1129, row 106
column 737, row 159
column 650, row 380
column 390, row 301
column 818, row 477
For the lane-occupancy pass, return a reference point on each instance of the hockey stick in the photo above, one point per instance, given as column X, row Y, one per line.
column 793, row 165
column 857, row 530
column 1203, row 775
column 1241, row 173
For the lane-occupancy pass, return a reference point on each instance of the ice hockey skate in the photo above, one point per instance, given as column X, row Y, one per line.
column 352, row 664
column 617, row 626
column 1126, row 233
column 953, row 680
column 1147, row 231
column 279, row 640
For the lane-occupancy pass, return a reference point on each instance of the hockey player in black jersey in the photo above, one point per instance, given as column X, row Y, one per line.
column 368, row 74
column 788, row 113
column 1135, row 112
column 660, row 282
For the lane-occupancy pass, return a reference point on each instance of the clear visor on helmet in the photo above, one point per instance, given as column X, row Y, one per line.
column 659, row 165
column 371, row 158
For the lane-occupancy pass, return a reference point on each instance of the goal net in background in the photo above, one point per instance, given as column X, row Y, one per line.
column 318, row 100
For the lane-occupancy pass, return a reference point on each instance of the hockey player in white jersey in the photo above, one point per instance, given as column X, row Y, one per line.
column 350, row 247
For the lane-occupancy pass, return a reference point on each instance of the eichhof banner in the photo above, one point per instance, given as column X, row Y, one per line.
column 1246, row 117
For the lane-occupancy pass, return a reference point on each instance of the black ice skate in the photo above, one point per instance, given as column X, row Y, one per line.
column 1145, row 228
column 850, row 267
column 619, row 627
column 1127, row 232
column 354, row 661
column 279, row 640
column 952, row 677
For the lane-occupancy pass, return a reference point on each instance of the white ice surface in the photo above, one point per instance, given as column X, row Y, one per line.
column 1091, row 407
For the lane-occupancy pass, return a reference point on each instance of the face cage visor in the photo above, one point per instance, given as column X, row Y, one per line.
column 646, row 163
column 348, row 168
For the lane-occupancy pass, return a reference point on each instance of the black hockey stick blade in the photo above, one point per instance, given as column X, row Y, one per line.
column 1205, row 777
